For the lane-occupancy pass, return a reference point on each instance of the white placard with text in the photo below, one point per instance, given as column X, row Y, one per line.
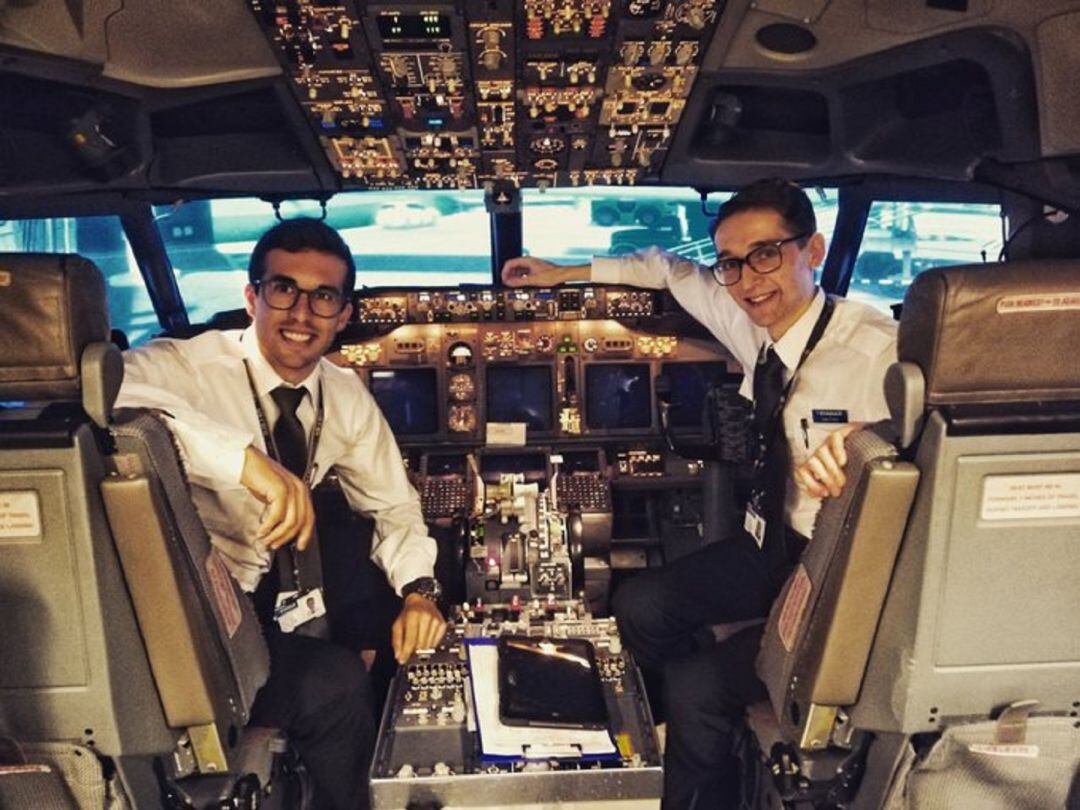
column 20, row 515
column 1031, row 497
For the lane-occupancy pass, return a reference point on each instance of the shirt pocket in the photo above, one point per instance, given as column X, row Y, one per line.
column 811, row 429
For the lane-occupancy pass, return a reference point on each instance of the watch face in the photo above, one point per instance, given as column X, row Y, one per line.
column 427, row 587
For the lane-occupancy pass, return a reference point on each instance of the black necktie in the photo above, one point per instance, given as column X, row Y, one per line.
column 769, row 484
column 289, row 436
column 768, row 386
column 291, row 444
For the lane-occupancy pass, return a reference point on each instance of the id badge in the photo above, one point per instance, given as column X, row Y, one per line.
column 295, row 608
column 755, row 526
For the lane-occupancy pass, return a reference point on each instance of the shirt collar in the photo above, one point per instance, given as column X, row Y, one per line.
column 266, row 379
column 793, row 342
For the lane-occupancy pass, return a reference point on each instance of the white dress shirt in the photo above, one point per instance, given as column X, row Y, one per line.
column 841, row 381
column 202, row 387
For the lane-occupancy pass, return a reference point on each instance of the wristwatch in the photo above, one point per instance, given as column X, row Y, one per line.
column 427, row 587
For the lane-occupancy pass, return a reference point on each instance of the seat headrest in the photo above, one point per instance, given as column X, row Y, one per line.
column 53, row 306
column 995, row 333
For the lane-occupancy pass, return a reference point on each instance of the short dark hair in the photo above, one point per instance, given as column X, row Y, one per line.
column 296, row 236
column 772, row 194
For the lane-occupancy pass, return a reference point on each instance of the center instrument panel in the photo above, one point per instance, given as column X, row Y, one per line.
column 494, row 716
column 490, row 93
column 531, row 421
column 526, row 366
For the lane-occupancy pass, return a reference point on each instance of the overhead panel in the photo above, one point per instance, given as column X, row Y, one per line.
column 533, row 93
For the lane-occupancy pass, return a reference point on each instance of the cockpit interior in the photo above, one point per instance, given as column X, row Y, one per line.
column 563, row 439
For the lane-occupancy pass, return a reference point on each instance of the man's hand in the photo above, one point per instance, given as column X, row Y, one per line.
column 528, row 271
column 419, row 626
column 289, row 514
column 822, row 475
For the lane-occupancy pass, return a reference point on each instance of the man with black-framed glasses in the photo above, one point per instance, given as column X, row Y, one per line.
column 814, row 367
column 260, row 418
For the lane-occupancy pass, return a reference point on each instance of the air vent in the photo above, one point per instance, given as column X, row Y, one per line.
column 787, row 39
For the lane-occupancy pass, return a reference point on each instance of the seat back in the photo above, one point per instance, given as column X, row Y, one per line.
column 820, row 629
column 983, row 609
column 71, row 659
column 123, row 630
column 203, row 640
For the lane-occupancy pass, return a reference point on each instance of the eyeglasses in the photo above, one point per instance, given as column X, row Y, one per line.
column 762, row 260
column 282, row 293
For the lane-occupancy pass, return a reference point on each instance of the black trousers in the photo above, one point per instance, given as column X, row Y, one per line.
column 320, row 695
column 661, row 614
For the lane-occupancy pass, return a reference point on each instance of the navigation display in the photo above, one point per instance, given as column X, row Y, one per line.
column 408, row 399
column 689, row 382
column 520, row 394
column 617, row 396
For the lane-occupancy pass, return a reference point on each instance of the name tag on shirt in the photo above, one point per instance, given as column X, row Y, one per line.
column 295, row 608
column 830, row 416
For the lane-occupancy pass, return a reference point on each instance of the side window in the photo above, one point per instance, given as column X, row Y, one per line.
column 904, row 238
column 102, row 240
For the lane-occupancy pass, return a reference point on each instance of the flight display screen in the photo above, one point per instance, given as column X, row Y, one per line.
column 403, row 27
column 531, row 465
column 689, row 382
column 444, row 464
column 408, row 399
column 580, row 461
column 520, row 394
column 617, row 396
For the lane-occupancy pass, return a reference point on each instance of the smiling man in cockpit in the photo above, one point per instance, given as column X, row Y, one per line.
column 260, row 418
column 814, row 369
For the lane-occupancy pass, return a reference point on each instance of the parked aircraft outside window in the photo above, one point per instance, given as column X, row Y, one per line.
column 904, row 238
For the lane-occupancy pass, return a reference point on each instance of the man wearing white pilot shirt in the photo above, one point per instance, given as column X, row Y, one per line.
column 841, row 381
column 208, row 371
column 815, row 369
column 252, row 465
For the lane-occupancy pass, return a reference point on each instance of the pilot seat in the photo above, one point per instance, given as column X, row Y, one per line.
column 925, row 653
column 129, row 657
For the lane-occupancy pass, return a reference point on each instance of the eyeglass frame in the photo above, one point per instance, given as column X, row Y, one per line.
column 258, row 285
column 714, row 268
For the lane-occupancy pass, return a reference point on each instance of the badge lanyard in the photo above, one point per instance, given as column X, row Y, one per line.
column 773, row 422
column 271, row 449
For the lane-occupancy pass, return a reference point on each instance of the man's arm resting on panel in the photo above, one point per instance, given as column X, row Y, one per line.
column 374, row 482
column 419, row 626
column 529, row 271
column 651, row 268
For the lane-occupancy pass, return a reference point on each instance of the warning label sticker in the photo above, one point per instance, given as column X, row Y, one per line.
column 1003, row 750
column 791, row 614
column 224, row 594
column 1043, row 302
column 13, row 770
column 1031, row 497
column 20, row 515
